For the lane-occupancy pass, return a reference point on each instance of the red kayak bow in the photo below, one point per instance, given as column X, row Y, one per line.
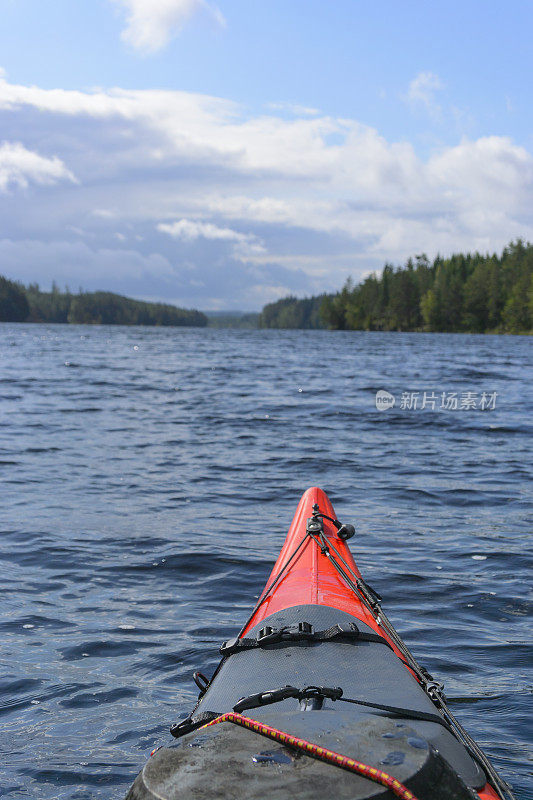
column 320, row 672
column 310, row 577
column 320, row 569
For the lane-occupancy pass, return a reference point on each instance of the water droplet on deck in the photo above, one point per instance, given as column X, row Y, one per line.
column 271, row 757
column 416, row 741
column 396, row 757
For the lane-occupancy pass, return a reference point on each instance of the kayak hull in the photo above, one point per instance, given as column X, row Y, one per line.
column 306, row 592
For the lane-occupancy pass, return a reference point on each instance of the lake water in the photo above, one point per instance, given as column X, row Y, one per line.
column 150, row 476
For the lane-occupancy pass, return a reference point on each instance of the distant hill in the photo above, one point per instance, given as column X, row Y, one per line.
column 232, row 319
column 290, row 312
column 19, row 303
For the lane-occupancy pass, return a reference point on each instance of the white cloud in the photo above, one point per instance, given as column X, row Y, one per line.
column 174, row 112
column 151, row 24
column 423, row 89
column 104, row 213
column 316, row 197
column 19, row 167
column 490, row 170
column 245, row 245
column 294, row 108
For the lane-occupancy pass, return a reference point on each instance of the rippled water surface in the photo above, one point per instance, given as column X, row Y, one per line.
column 149, row 478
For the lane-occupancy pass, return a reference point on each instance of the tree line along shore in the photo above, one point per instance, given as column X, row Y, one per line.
column 20, row 303
column 468, row 293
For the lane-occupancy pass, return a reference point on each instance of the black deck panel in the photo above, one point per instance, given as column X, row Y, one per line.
column 364, row 670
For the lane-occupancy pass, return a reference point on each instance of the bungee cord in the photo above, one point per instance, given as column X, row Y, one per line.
column 320, row 753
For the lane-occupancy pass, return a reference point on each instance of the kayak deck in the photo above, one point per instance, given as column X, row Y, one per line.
column 367, row 670
column 318, row 624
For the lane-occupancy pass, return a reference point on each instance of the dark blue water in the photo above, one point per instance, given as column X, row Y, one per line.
column 149, row 478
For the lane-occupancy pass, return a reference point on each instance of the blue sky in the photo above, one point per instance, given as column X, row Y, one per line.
column 224, row 155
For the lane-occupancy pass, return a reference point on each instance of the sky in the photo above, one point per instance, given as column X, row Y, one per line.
column 223, row 155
